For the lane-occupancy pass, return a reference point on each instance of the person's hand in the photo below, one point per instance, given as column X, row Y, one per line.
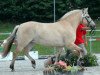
column 86, row 44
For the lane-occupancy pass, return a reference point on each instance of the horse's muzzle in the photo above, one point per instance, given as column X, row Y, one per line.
column 92, row 32
column 93, row 27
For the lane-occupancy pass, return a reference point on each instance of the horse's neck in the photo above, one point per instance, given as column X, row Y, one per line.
column 74, row 21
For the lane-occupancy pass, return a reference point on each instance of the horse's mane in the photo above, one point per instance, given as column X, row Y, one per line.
column 69, row 13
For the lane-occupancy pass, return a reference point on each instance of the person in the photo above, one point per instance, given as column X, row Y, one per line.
column 81, row 39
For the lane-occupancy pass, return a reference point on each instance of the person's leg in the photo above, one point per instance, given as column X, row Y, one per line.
column 83, row 48
column 84, row 52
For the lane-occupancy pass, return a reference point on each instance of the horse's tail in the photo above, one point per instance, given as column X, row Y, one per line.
column 8, row 42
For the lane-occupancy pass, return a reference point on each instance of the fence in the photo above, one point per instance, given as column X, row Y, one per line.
column 92, row 39
column 48, row 50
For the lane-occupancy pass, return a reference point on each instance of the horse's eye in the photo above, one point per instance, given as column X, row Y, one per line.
column 88, row 17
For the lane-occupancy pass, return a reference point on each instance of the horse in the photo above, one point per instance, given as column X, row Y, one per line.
column 58, row 34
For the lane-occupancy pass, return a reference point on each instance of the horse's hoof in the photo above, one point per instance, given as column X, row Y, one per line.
column 12, row 68
column 33, row 64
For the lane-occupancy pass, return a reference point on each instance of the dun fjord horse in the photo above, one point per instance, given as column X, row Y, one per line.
column 59, row 34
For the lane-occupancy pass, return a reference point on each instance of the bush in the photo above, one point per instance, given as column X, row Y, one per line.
column 88, row 60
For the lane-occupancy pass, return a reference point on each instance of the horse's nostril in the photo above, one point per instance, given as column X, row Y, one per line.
column 94, row 26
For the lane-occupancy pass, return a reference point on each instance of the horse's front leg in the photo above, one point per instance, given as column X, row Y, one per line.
column 79, row 52
column 60, row 51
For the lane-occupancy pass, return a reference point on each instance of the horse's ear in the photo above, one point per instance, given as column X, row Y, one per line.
column 85, row 10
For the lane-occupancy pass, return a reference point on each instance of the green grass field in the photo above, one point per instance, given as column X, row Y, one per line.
column 8, row 27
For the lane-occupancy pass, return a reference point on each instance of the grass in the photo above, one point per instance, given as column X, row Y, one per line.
column 8, row 27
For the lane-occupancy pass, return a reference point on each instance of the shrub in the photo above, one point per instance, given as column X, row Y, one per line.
column 88, row 60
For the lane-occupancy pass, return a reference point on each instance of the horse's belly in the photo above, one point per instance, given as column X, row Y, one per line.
column 50, row 42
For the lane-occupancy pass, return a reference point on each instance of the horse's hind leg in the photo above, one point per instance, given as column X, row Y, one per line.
column 26, row 51
column 15, row 54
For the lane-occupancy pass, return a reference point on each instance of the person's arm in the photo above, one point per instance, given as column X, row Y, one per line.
column 84, row 36
column 85, row 28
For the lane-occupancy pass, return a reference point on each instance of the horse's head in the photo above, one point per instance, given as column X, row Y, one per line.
column 86, row 19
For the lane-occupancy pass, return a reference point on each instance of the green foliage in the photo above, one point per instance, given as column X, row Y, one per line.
column 88, row 60
column 37, row 10
column 69, row 58
column 25, row 10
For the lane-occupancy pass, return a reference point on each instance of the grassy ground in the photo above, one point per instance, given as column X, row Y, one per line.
column 8, row 27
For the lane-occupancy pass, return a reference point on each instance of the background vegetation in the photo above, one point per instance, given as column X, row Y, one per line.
column 42, row 10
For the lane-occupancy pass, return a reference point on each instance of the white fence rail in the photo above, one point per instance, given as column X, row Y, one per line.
column 5, row 33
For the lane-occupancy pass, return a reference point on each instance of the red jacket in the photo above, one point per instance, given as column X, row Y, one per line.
column 79, row 34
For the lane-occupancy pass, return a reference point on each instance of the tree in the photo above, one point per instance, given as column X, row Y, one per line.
column 42, row 10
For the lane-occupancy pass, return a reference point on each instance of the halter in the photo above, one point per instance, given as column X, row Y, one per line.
column 86, row 17
column 92, row 32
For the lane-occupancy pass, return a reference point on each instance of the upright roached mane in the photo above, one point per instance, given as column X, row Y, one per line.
column 69, row 14
column 59, row 34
